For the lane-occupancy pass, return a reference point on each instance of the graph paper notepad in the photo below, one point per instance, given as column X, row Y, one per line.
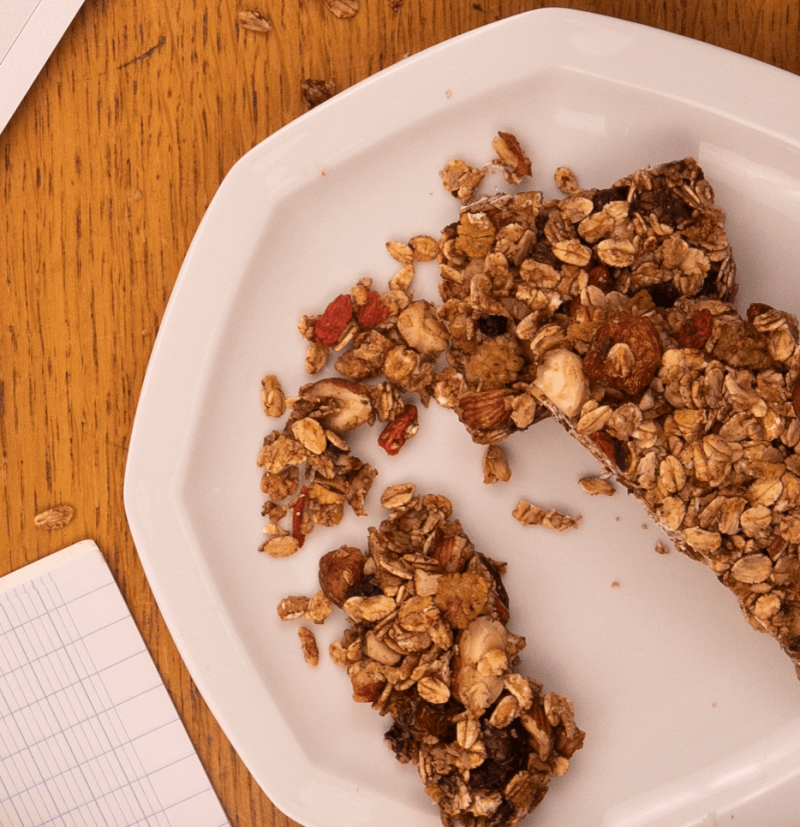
column 88, row 733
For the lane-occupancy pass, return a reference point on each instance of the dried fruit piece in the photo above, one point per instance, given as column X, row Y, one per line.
column 330, row 326
column 397, row 432
column 696, row 331
column 372, row 312
column 297, row 517
column 640, row 336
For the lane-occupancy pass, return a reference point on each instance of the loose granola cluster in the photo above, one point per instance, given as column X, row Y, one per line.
column 608, row 309
column 428, row 644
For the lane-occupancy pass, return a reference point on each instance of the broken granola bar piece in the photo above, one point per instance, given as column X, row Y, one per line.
column 710, row 447
column 429, row 646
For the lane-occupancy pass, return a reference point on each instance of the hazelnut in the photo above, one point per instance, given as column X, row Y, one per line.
column 340, row 573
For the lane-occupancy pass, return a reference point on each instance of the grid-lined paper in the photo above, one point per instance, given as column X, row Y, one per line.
column 88, row 734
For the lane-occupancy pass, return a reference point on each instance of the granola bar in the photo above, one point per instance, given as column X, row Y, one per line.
column 707, row 440
column 428, row 645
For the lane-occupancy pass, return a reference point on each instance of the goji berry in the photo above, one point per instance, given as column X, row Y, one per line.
column 615, row 450
column 297, row 516
column 331, row 324
column 372, row 312
column 399, row 430
column 599, row 277
column 696, row 331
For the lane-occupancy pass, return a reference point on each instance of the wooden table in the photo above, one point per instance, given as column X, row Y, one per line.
column 108, row 167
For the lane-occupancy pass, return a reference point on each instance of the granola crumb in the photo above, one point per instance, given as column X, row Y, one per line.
column 308, row 644
column 597, row 486
column 55, row 518
column 254, row 21
column 530, row 514
column 343, row 9
column 316, row 92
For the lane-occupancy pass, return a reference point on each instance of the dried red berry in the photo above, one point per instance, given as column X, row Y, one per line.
column 615, row 450
column 399, row 430
column 641, row 336
column 297, row 517
column 331, row 324
column 372, row 312
column 796, row 397
column 696, row 331
column 599, row 277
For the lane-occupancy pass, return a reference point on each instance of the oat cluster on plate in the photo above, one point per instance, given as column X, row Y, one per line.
column 608, row 309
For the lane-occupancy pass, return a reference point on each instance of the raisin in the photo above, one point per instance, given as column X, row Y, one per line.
column 493, row 325
column 664, row 294
column 507, row 753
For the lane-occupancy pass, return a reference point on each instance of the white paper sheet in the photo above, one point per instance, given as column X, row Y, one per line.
column 29, row 31
column 88, row 733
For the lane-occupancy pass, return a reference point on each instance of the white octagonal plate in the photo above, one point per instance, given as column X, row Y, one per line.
column 691, row 717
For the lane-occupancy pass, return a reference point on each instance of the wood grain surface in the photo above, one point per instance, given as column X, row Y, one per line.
column 107, row 169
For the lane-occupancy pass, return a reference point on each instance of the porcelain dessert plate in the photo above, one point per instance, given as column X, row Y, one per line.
column 691, row 717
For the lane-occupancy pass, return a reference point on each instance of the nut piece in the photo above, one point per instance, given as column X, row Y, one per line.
column 479, row 679
column 561, row 379
column 349, row 402
column 421, row 329
column 340, row 573
column 495, row 465
column 515, row 162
